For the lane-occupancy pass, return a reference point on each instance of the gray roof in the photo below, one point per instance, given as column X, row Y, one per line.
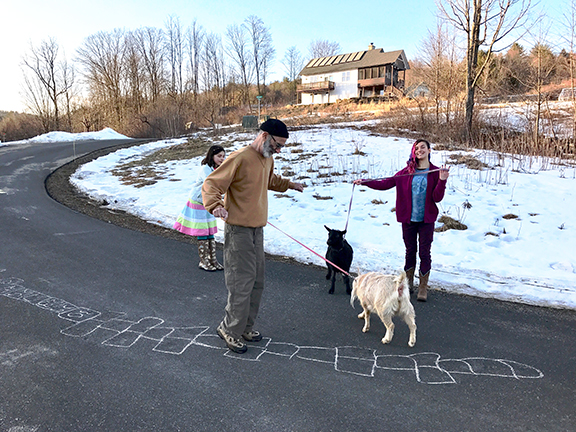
column 356, row 60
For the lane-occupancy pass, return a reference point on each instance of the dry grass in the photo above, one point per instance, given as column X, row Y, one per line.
column 404, row 118
column 148, row 170
column 419, row 119
column 470, row 161
column 450, row 223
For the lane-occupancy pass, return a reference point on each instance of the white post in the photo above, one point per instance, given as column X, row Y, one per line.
column 259, row 97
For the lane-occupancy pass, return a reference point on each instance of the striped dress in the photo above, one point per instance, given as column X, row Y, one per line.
column 194, row 219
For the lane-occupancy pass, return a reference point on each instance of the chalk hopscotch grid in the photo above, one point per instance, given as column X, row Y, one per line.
column 427, row 367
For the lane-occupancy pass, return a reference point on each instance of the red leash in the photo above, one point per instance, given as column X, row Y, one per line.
column 306, row 247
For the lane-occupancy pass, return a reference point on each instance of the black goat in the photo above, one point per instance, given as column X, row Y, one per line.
column 340, row 254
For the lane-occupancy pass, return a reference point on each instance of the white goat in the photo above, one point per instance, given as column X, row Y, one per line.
column 387, row 296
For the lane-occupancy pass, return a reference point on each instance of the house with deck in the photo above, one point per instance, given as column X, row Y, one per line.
column 370, row 74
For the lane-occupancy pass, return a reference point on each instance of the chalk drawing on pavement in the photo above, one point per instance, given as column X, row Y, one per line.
column 114, row 330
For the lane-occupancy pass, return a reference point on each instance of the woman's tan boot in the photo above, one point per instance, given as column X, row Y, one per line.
column 204, row 253
column 213, row 259
column 423, row 287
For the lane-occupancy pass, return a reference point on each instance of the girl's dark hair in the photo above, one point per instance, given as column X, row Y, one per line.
column 209, row 159
column 412, row 160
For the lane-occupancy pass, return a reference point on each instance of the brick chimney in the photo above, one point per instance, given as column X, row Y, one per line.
column 371, row 46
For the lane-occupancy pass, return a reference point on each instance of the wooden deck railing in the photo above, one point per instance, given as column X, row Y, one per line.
column 316, row 86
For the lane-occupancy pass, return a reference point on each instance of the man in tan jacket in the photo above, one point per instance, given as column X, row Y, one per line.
column 245, row 178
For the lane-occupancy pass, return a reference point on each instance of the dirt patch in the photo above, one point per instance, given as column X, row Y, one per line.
column 149, row 169
column 470, row 161
column 322, row 198
column 450, row 223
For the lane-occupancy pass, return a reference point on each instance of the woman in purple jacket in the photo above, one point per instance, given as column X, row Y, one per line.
column 419, row 187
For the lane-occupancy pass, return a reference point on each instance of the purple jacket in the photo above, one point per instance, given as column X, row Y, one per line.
column 403, row 182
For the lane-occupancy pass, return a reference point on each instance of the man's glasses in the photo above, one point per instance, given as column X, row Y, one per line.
column 277, row 145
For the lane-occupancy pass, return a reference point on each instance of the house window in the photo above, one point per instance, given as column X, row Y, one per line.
column 346, row 76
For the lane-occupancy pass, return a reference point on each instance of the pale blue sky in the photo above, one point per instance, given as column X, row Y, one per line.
column 389, row 24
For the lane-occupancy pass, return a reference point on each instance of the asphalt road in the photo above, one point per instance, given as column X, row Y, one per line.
column 104, row 328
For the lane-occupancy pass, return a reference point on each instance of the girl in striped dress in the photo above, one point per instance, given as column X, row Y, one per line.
column 195, row 220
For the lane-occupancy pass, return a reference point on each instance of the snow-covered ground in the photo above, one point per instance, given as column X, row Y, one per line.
column 556, row 117
column 519, row 245
column 104, row 134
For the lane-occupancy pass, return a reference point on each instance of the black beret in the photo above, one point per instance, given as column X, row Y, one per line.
column 275, row 127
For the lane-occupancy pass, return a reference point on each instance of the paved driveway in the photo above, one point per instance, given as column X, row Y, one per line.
column 103, row 328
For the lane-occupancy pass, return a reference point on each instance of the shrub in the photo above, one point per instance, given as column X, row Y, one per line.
column 19, row 126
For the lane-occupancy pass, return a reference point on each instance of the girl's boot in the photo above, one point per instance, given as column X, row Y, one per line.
column 204, row 253
column 213, row 259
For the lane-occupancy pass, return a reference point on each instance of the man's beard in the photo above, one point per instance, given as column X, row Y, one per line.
column 267, row 149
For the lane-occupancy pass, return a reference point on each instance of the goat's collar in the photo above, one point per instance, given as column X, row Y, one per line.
column 337, row 249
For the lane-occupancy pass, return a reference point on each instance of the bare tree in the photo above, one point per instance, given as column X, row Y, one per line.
column 323, row 48
column 239, row 52
column 213, row 73
column 49, row 83
column 67, row 76
column 569, row 36
column 213, row 77
column 262, row 49
column 292, row 62
column 268, row 54
column 150, row 41
column 39, row 103
column 102, row 56
column 195, row 41
column 134, row 76
column 441, row 71
column 543, row 66
column 484, row 23
column 175, row 54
